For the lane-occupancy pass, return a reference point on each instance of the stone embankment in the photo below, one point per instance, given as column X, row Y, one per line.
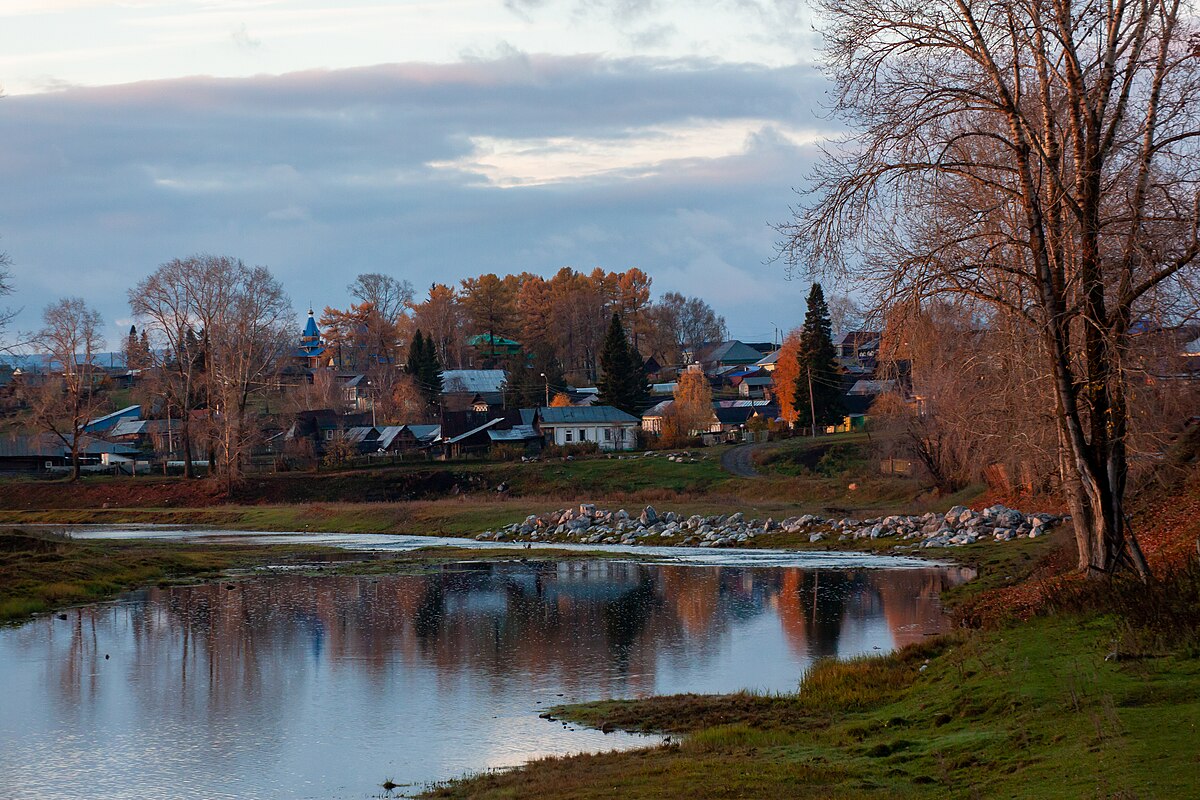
column 587, row 524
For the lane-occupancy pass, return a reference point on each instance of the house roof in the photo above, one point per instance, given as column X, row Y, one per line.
column 732, row 352
column 872, row 387
column 425, row 433
column 768, row 359
column 856, row 338
column 756, row 380
column 473, row 381
column 490, row 423
column 572, row 415
column 658, row 409
column 493, row 340
column 517, row 433
column 114, row 417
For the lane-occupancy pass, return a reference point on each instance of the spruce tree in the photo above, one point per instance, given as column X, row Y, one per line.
column 430, row 370
column 415, row 349
column 639, row 385
column 131, row 349
column 144, row 350
column 817, row 366
column 617, row 381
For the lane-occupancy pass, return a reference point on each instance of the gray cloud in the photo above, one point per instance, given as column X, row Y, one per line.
column 323, row 174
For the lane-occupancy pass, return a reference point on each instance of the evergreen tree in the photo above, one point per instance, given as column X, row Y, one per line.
column 415, row 349
column 131, row 349
column 430, row 371
column 620, row 373
column 817, row 367
column 639, row 385
column 144, row 350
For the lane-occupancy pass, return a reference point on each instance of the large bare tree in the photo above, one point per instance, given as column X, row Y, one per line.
column 220, row 328
column 1037, row 157
column 64, row 403
column 248, row 335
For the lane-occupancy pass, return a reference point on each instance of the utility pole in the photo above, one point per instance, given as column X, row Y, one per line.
column 812, row 405
column 547, row 380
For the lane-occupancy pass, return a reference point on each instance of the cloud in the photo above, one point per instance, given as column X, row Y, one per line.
column 429, row 171
column 242, row 38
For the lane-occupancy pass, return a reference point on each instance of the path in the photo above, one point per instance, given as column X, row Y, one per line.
column 739, row 461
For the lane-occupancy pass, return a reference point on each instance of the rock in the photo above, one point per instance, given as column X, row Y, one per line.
column 649, row 516
column 816, row 537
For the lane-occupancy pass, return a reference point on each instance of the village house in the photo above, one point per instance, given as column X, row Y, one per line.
column 610, row 428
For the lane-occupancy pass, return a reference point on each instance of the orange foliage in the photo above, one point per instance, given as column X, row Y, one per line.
column 787, row 369
column 560, row 400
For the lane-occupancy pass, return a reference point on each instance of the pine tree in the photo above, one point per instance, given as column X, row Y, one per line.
column 619, row 375
column 817, row 367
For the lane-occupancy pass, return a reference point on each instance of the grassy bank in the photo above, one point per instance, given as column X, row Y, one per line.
column 1072, row 704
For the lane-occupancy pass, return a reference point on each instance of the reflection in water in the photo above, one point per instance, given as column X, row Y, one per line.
column 297, row 686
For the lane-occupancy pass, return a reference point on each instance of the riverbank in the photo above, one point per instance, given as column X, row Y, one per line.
column 1057, row 687
column 41, row 571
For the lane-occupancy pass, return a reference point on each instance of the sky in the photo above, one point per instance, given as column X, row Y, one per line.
column 427, row 140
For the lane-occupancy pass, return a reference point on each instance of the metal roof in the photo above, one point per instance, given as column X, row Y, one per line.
column 658, row 409
column 517, row 433
column 425, row 433
column 572, row 415
column 473, row 381
column 476, row 430
column 128, row 411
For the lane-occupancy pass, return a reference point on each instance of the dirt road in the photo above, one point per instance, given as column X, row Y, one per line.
column 739, row 461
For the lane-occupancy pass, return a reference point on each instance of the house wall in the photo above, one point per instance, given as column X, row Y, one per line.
column 618, row 438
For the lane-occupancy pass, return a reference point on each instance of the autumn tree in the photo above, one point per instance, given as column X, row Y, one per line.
column 1037, row 159
column 817, row 387
column 67, row 400
column 441, row 317
column 560, row 400
column 692, row 410
column 490, row 303
column 787, row 370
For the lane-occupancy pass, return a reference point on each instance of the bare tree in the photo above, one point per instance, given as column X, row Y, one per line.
column 65, row 402
column 248, row 334
column 390, row 297
column 165, row 302
column 6, row 288
column 681, row 324
column 1037, row 158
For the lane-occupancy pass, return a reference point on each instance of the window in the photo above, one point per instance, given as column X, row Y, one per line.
column 608, row 434
column 582, row 434
column 568, row 433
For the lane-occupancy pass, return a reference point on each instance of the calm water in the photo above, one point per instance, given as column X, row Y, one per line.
column 295, row 686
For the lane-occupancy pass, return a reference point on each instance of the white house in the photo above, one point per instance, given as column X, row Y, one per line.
column 610, row 428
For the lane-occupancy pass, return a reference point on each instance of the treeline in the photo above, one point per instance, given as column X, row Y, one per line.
column 559, row 322
column 215, row 340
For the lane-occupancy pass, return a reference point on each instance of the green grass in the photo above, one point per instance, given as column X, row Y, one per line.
column 1032, row 711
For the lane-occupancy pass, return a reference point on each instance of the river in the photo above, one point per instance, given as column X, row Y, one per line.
column 294, row 685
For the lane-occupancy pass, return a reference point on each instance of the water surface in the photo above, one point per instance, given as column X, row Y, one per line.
column 321, row 687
